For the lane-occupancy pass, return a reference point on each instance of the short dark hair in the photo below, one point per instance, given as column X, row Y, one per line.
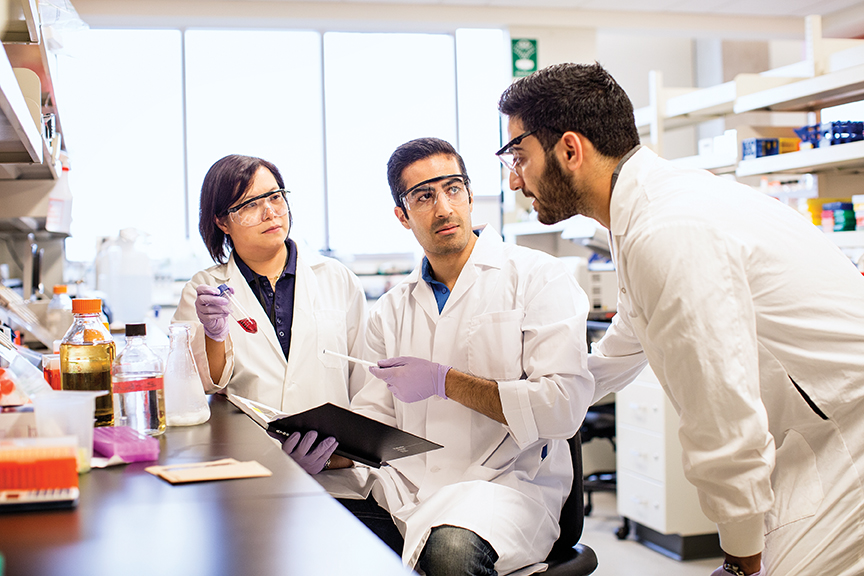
column 414, row 151
column 225, row 183
column 581, row 98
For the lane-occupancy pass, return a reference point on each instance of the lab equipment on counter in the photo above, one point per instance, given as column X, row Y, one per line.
column 51, row 370
column 61, row 413
column 17, row 313
column 237, row 311
column 127, row 444
column 59, row 313
column 137, row 380
column 185, row 402
column 124, row 273
column 38, row 473
column 28, row 379
column 86, row 355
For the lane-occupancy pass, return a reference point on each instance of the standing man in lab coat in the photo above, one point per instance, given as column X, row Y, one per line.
column 751, row 319
column 510, row 321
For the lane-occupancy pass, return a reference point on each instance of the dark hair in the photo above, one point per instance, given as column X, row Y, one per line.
column 414, row 151
column 581, row 98
column 226, row 182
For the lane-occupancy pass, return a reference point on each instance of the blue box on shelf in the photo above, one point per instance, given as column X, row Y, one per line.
column 831, row 133
column 752, row 148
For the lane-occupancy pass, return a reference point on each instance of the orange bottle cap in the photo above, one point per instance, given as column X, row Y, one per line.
column 60, row 289
column 86, row 306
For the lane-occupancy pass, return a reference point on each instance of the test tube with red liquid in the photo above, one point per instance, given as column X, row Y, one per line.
column 237, row 312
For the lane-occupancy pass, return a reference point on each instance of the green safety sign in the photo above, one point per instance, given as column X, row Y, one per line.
column 524, row 56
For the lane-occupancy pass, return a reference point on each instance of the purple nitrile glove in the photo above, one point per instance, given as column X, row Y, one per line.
column 721, row 572
column 412, row 379
column 213, row 311
column 313, row 462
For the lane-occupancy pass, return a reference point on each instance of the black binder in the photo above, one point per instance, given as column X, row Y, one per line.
column 360, row 438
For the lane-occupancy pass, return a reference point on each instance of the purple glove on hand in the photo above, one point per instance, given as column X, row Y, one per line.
column 213, row 311
column 721, row 572
column 298, row 449
column 412, row 379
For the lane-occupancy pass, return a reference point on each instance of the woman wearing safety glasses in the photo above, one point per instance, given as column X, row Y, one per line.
column 301, row 302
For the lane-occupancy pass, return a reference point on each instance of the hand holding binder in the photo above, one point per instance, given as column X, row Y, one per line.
column 360, row 438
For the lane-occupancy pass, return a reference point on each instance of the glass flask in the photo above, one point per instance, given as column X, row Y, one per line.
column 185, row 401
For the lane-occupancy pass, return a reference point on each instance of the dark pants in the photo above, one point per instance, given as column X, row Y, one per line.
column 449, row 550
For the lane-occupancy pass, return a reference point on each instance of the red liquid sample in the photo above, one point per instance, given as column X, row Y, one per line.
column 249, row 325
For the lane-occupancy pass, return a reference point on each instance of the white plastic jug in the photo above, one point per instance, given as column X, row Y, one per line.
column 124, row 272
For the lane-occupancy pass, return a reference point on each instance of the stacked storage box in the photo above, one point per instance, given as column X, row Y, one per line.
column 858, row 207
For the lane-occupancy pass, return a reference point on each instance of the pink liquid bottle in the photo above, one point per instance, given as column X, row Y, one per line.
column 237, row 312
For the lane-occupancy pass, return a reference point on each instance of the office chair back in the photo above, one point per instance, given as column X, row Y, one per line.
column 568, row 557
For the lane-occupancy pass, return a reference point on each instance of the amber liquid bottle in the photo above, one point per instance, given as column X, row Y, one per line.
column 86, row 355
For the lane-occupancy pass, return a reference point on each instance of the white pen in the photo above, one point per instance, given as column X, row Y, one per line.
column 351, row 358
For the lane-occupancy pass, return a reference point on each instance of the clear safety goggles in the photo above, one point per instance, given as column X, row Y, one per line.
column 506, row 154
column 253, row 211
column 424, row 196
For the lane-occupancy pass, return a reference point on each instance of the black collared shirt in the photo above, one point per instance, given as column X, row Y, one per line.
column 278, row 305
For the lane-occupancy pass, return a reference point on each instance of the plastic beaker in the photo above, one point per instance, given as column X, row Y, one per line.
column 68, row 413
column 51, row 370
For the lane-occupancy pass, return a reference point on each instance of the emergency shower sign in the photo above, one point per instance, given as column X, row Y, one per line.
column 524, row 56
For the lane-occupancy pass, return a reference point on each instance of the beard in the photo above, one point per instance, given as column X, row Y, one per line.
column 558, row 196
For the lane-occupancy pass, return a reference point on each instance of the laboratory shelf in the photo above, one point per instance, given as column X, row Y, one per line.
column 841, row 156
column 717, row 163
column 20, row 139
column 829, row 89
column 574, row 227
column 849, row 239
column 681, row 107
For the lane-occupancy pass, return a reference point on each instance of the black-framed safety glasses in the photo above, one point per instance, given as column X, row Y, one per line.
column 506, row 155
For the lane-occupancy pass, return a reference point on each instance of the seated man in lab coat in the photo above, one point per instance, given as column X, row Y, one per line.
column 752, row 320
column 481, row 349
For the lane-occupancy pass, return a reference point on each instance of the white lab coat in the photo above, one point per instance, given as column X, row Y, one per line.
column 517, row 316
column 730, row 294
column 329, row 313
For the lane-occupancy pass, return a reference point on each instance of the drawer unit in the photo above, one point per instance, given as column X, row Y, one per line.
column 652, row 490
column 641, row 404
column 640, row 451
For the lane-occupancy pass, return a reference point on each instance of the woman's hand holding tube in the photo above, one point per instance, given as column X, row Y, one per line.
column 213, row 311
column 412, row 379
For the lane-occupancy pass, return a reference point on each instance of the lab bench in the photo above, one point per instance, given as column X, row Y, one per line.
column 130, row 522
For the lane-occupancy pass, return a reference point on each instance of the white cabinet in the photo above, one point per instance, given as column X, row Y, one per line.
column 652, row 490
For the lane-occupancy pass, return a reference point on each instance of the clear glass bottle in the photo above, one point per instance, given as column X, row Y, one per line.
column 59, row 313
column 138, row 384
column 86, row 355
column 185, row 402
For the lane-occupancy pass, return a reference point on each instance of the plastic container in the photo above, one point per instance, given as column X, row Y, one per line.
column 128, row 444
column 51, row 370
column 138, row 384
column 243, row 318
column 124, row 273
column 29, row 380
column 185, row 402
column 68, row 413
column 86, row 355
column 59, row 313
